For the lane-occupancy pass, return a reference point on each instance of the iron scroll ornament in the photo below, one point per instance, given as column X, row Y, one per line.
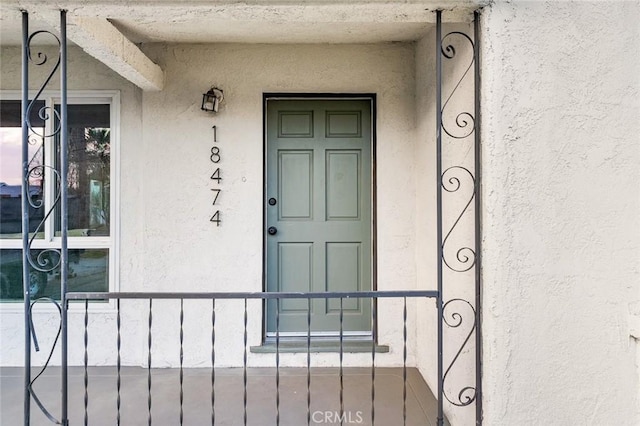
column 464, row 256
column 467, row 395
column 48, row 259
column 458, row 313
column 464, row 121
column 41, row 60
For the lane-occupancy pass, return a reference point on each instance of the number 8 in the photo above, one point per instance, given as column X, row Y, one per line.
column 215, row 154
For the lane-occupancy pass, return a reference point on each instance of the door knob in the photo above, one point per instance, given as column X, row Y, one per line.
column 272, row 230
column 272, row 201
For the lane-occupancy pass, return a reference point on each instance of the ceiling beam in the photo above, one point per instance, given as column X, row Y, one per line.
column 100, row 39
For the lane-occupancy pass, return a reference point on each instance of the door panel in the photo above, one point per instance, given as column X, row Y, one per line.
column 295, row 180
column 295, row 271
column 344, row 124
column 295, row 124
column 343, row 185
column 344, row 263
column 318, row 161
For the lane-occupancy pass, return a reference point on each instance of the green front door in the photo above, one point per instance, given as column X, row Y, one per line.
column 318, row 212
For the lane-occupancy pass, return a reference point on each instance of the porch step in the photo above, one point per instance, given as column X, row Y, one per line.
column 319, row 346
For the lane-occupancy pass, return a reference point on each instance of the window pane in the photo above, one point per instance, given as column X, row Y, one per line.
column 11, row 111
column 89, row 183
column 11, row 169
column 88, row 271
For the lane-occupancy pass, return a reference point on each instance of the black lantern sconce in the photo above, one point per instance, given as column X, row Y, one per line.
column 212, row 99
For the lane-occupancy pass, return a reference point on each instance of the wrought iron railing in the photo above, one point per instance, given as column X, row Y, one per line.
column 215, row 299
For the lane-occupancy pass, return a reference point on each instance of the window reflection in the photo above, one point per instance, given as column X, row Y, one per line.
column 89, row 180
column 89, row 197
column 11, row 169
column 88, row 271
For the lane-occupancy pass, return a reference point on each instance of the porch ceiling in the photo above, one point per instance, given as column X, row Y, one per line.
column 110, row 30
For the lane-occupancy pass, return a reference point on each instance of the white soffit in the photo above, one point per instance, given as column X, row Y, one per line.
column 110, row 30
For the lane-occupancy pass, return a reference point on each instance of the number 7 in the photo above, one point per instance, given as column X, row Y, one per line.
column 218, row 191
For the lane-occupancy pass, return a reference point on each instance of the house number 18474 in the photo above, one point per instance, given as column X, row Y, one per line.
column 216, row 176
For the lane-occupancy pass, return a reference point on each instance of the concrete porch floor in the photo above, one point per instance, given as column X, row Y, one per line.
column 261, row 396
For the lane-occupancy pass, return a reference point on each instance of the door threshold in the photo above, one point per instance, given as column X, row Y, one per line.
column 352, row 346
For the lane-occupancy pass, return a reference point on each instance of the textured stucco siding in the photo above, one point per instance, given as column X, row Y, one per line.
column 426, row 254
column 561, row 193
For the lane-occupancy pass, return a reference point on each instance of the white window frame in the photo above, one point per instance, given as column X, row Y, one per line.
column 74, row 97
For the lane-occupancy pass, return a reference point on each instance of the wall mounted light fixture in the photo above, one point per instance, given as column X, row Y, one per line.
column 212, row 99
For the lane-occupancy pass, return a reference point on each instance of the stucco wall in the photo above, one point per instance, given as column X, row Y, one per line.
column 426, row 253
column 561, row 149
column 167, row 242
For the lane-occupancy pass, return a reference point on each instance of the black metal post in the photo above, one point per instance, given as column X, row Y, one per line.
column 25, row 216
column 64, row 208
column 439, row 299
column 477, row 206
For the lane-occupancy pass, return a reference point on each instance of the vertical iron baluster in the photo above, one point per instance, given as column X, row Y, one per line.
column 149, row 361
column 118, row 363
column 439, row 299
column 244, row 365
column 477, row 206
column 277, row 362
column 181, row 360
column 308, row 361
column 64, row 216
column 404, row 362
column 213, row 362
column 374, row 326
column 341, row 375
column 26, row 397
column 86, row 362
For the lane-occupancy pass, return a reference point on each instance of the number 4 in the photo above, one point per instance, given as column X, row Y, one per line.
column 216, row 218
column 216, row 175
